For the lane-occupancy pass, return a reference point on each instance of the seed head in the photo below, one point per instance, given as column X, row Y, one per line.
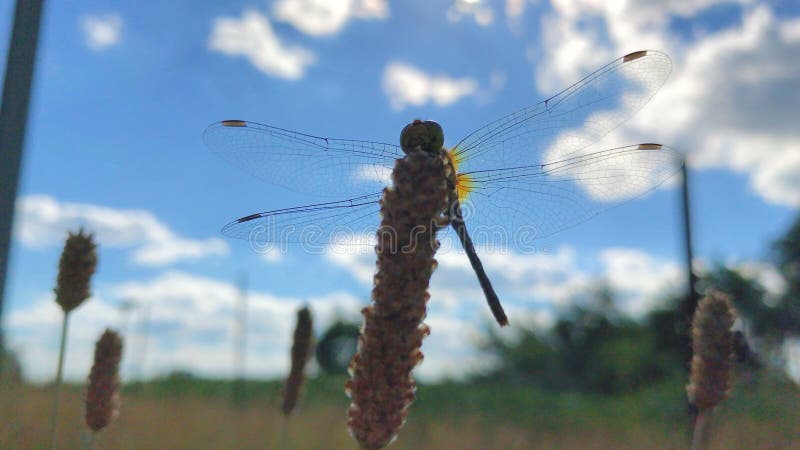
column 712, row 345
column 381, row 386
column 102, row 395
column 301, row 351
column 75, row 270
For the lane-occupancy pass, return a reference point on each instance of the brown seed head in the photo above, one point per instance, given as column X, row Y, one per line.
column 301, row 352
column 381, row 386
column 75, row 270
column 712, row 344
column 102, row 395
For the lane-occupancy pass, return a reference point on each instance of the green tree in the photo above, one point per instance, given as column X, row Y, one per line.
column 336, row 347
column 591, row 348
column 786, row 252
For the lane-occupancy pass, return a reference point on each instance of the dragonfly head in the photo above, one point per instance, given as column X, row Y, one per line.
column 427, row 135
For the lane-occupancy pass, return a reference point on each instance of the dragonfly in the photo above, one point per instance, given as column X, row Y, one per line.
column 524, row 176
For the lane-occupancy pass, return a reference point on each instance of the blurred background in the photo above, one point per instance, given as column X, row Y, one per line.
column 124, row 90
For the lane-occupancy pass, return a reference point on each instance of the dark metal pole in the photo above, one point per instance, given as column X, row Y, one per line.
column 13, row 119
column 692, row 297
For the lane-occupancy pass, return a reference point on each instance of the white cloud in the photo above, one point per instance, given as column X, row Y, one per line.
column 791, row 352
column 327, row 17
column 252, row 36
column 179, row 321
column 34, row 333
column 765, row 273
column 407, row 85
column 271, row 254
column 640, row 279
column 538, row 283
column 101, row 31
column 43, row 221
column 358, row 256
column 732, row 97
column 480, row 12
column 450, row 349
column 382, row 174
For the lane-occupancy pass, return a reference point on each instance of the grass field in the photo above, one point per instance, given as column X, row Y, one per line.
column 198, row 414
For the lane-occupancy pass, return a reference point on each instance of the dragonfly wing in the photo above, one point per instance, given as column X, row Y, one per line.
column 569, row 121
column 312, row 226
column 515, row 205
column 303, row 163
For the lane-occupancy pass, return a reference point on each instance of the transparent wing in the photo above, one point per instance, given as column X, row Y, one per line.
column 303, row 163
column 569, row 121
column 514, row 205
column 311, row 226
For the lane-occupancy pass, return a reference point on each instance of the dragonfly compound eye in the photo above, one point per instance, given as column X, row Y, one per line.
column 427, row 134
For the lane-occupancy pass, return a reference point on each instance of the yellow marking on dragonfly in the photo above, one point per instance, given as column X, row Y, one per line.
column 464, row 183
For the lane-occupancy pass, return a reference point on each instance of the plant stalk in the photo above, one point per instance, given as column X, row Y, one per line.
column 57, row 384
column 700, row 427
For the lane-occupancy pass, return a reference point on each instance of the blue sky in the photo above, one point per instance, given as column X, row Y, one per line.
column 124, row 92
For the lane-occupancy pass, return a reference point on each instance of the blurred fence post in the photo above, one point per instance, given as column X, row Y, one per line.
column 13, row 119
column 240, row 344
column 688, row 306
column 692, row 296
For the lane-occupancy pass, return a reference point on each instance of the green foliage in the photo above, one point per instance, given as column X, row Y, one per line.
column 336, row 347
column 593, row 349
column 787, row 257
column 590, row 349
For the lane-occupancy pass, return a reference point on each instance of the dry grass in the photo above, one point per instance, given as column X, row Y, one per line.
column 193, row 422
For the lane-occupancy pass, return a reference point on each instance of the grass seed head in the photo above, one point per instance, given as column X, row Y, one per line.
column 301, row 352
column 102, row 395
column 381, row 386
column 712, row 345
column 75, row 270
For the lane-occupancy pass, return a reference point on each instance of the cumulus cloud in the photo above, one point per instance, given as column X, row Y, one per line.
column 730, row 101
column 43, row 221
column 327, row 17
column 101, row 31
column 765, row 273
column 536, row 284
column 481, row 13
column 252, row 37
column 407, row 85
column 640, row 278
column 271, row 255
column 185, row 321
column 33, row 334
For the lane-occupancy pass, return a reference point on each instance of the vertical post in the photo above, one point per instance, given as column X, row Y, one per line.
column 240, row 342
column 13, row 119
column 692, row 296
column 688, row 306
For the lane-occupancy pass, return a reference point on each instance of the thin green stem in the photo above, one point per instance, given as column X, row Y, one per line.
column 700, row 429
column 57, row 384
